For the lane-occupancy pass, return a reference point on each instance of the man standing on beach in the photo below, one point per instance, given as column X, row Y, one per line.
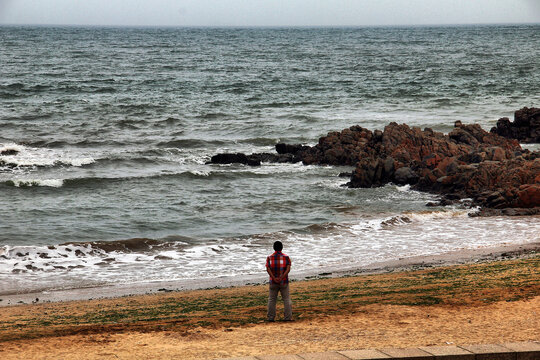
column 278, row 266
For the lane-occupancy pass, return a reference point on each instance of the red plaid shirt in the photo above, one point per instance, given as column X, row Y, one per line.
column 278, row 262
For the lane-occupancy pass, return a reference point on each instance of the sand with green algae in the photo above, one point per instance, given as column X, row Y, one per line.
column 477, row 303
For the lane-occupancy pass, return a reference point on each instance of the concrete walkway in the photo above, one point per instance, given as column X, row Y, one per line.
column 507, row 351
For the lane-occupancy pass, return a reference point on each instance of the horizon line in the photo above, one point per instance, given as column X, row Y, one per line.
column 270, row 26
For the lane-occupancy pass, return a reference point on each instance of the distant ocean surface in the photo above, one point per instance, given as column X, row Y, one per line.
column 113, row 126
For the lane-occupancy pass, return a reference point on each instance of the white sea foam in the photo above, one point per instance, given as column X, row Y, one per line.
column 27, row 156
column 404, row 188
column 81, row 161
column 185, row 156
column 358, row 243
column 280, row 168
column 334, row 182
column 10, row 146
column 424, row 216
column 200, row 172
column 531, row 147
column 39, row 182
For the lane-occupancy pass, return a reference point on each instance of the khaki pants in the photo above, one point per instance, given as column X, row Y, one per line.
column 272, row 299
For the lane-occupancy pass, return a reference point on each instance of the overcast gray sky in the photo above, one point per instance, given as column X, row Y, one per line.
column 267, row 12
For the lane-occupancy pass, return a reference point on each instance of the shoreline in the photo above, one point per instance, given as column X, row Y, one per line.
column 418, row 262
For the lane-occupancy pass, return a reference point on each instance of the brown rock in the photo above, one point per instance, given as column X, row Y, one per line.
column 498, row 154
column 528, row 196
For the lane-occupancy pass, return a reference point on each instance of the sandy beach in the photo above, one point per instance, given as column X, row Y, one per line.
column 486, row 300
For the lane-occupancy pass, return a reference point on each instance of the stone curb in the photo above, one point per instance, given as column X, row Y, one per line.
column 508, row 351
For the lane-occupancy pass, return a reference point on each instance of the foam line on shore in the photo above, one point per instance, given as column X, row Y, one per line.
column 402, row 264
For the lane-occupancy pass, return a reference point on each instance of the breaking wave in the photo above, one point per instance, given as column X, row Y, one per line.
column 56, row 183
column 21, row 156
column 360, row 243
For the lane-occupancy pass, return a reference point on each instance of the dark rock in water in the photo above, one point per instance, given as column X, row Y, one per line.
column 485, row 211
column 405, row 175
column 237, row 158
column 525, row 128
column 254, row 159
column 371, row 173
column 9, row 152
column 75, row 267
column 345, row 174
column 282, row 148
column 275, row 158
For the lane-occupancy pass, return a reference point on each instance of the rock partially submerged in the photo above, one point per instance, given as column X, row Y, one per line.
column 253, row 159
column 525, row 127
column 237, row 158
column 468, row 163
column 9, row 152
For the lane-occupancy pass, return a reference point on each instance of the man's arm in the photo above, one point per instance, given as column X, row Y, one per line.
column 284, row 275
column 272, row 276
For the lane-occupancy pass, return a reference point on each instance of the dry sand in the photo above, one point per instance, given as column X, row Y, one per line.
column 374, row 326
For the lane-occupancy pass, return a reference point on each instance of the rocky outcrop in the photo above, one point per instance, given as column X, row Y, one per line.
column 468, row 163
column 510, row 183
column 525, row 127
column 341, row 148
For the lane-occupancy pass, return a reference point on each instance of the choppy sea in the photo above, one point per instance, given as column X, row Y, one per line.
column 112, row 127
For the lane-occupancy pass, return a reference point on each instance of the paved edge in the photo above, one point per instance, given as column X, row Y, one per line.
column 511, row 351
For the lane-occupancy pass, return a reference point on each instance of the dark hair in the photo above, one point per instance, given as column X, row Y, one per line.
column 278, row 246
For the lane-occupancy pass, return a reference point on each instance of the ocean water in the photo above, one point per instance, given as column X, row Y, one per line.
column 113, row 126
